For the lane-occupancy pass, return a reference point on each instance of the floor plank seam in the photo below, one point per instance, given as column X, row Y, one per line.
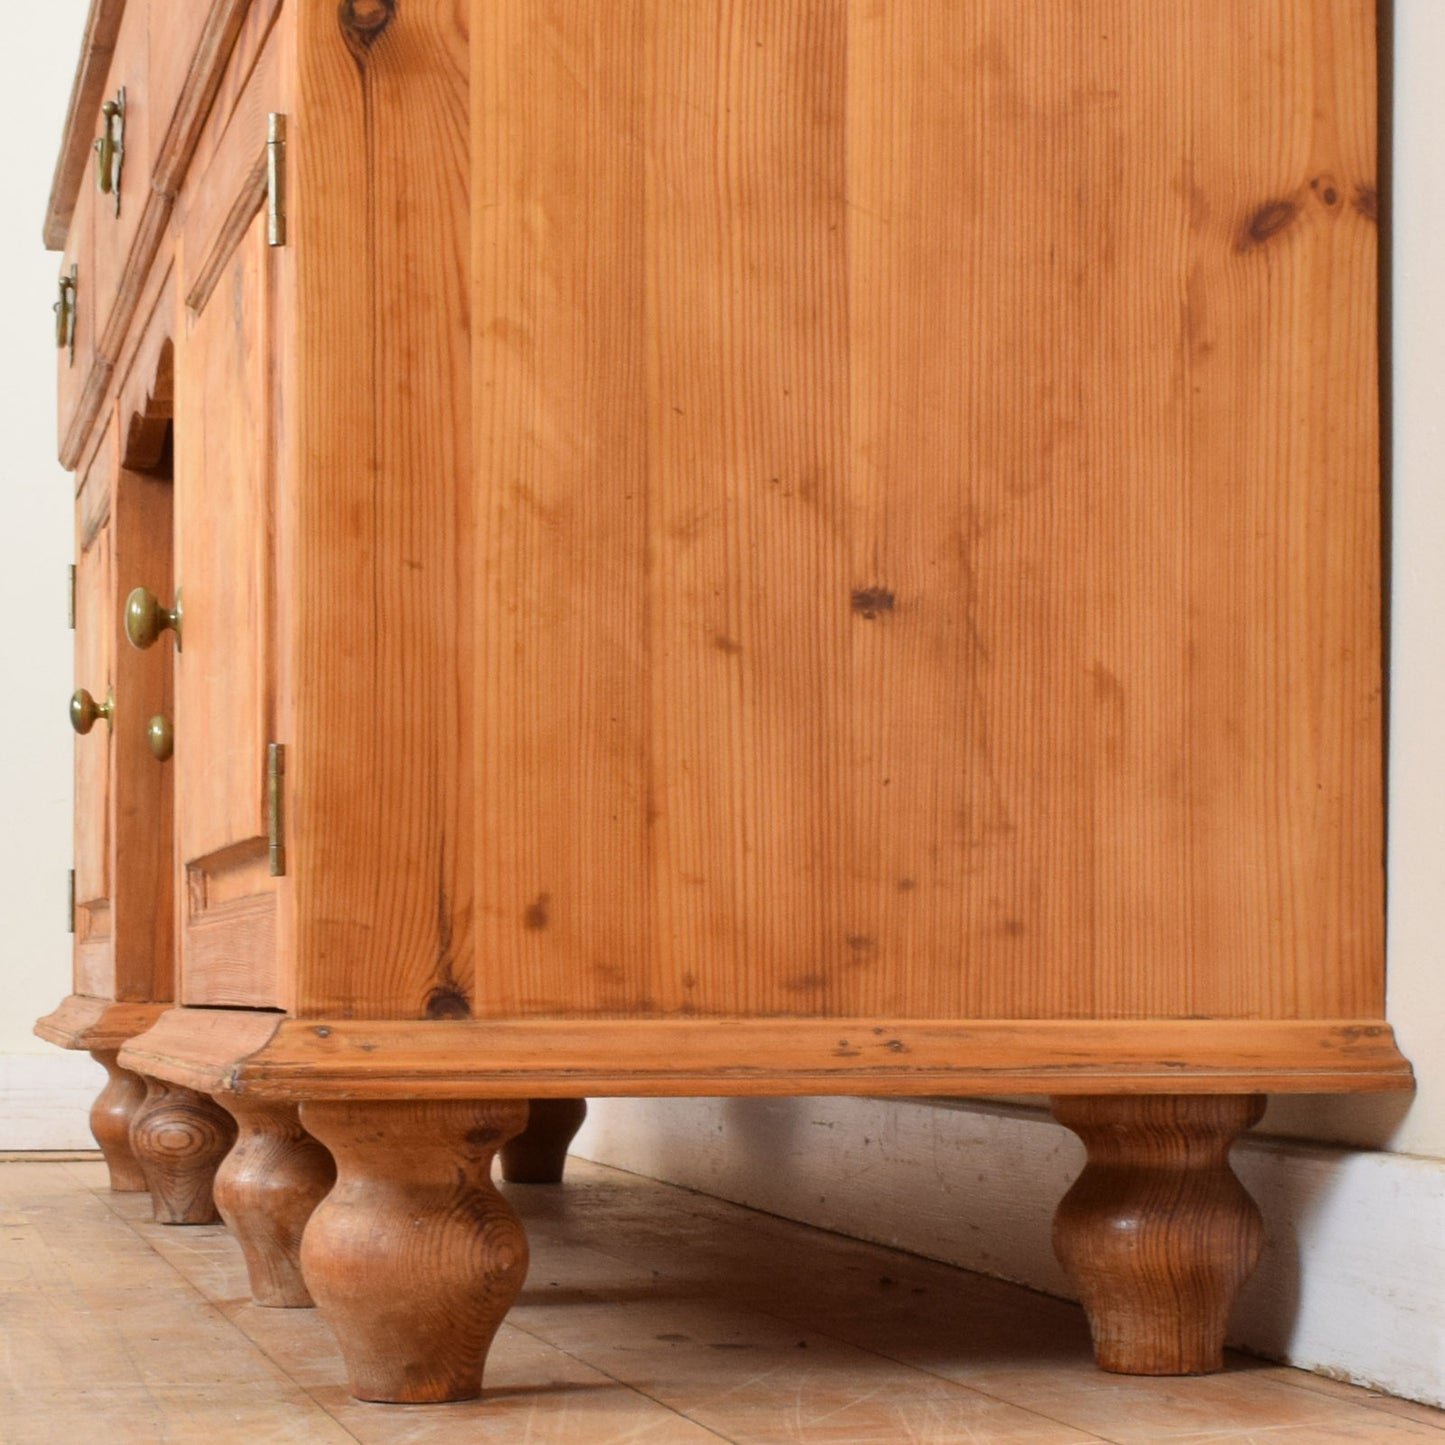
column 106, row 1199
column 621, row 1383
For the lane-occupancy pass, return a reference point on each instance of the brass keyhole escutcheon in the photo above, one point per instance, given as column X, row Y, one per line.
column 110, row 148
column 65, row 313
column 161, row 737
column 85, row 712
column 146, row 619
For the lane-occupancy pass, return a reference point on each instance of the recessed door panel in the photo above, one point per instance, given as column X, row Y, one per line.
column 224, row 473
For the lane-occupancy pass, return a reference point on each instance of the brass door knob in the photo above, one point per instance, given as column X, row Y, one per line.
column 85, row 711
column 161, row 737
column 146, row 619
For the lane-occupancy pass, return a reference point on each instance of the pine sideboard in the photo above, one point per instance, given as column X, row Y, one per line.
column 739, row 547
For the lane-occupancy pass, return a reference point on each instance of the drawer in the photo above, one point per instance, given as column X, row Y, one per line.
column 120, row 190
column 75, row 330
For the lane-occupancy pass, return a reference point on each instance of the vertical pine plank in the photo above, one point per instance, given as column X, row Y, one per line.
column 751, row 592
column 565, row 807
column 1286, row 834
column 381, row 776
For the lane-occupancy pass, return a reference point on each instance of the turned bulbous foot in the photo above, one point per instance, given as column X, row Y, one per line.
column 266, row 1190
column 180, row 1138
column 1157, row 1233
column 414, row 1257
column 538, row 1155
column 110, row 1119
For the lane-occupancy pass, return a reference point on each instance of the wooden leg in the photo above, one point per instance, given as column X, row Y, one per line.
column 180, row 1138
column 1157, row 1233
column 110, row 1120
column 539, row 1153
column 266, row 1190
column 414, row 1258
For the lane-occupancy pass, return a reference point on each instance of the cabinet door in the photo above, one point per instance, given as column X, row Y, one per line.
column 224, row 477
column 123, row 893
column 95, row 674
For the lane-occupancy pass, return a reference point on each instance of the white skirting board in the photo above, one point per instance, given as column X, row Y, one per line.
column 45, row 1100
column 1351, row 1283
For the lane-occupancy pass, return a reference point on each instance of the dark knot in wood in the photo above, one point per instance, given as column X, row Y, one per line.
column 363, row 22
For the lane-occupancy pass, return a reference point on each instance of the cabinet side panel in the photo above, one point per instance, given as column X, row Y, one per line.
column 929, row 548
column 379, row 765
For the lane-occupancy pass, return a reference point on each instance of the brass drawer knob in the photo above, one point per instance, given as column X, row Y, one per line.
column 161, row 737
column 85, row 711
column 146, row 619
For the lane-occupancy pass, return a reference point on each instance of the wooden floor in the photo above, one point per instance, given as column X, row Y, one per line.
column 650, row 1315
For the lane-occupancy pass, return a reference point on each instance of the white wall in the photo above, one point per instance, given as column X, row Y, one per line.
column 37, row 62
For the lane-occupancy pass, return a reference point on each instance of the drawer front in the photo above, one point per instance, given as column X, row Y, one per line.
column 120, row 173
column 75, row 330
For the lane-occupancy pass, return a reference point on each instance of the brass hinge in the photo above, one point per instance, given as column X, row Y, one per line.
column 276, row 180
column 71, row 609
column 70, row 905
column 65, row 313
column 276, row 807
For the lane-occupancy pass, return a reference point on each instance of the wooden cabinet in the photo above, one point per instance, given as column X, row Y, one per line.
column 790, row 548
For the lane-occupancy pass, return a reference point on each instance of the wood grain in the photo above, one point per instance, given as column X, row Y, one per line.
column 266, row 1189
column 227, row 185
column 171, row 154
column 269, row 1056
column 232, row 951
column 238, row 98
column 180, row 1138
column 203, row 54
column 1157, row 1233
column 81, row 381
column 102, row 24
column 116, row 232
column 142, row 806
column 379, row 578
column 110, row 1119
column 929, row 536
column 225, row 529
column 80, row 1022
column 224, row 483
column 414, row 1258
column 95, row 670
